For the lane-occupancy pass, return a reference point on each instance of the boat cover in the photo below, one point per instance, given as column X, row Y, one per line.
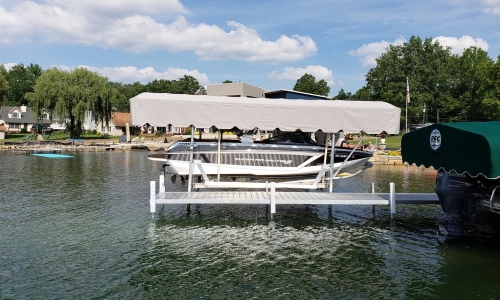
column 467, row 147
column 179, row 110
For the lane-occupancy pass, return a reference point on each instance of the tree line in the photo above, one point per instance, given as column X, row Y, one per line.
column 444, row 87
column 72, row 95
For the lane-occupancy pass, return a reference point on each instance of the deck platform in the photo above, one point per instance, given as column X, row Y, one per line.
column 274, row 198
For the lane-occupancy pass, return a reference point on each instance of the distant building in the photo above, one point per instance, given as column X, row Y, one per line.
column 241, row 89
column 117, row 125
column 235, row 89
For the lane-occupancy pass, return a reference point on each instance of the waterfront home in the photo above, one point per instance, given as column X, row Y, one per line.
column 16, row 118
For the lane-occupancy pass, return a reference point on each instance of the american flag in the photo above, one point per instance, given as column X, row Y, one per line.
column 407, row 91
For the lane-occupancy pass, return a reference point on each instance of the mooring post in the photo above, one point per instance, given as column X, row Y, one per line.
column 392, row 198
column 273, row 198
column 152, row 197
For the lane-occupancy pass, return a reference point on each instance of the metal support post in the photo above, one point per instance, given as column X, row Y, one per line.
column 191, row 155
column 332, row 161
column 392, row 198
column 152, row 197
column 273, row 198
column 162, row 183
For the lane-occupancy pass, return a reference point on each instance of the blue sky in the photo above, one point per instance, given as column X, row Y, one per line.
column 269, row 44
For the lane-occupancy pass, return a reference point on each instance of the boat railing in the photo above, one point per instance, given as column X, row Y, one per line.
column 493, row 206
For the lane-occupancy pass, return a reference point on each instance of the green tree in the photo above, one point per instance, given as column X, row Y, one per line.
column 21, row 80
column 426, row 64
column 227, row 81
column 342, row 95
column 71, row 95
column 491, row 100
column 362, row 94
column 4, row 87
column 473, row 78
column 185, row 85
column 308, row 84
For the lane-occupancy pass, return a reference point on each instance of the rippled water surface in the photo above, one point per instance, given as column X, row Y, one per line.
column 80, row 228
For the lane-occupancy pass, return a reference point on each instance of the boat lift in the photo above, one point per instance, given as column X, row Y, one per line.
column 371, row 117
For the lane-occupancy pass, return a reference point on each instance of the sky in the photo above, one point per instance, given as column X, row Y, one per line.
column 269, row 44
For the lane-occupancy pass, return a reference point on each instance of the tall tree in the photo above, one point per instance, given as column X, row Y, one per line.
column 426, row 64
column 71, row 95
column 4, row 87
column 21, row 80
column 308, row 84
column 472, row 79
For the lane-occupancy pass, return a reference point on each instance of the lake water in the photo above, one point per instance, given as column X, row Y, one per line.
column 80, row 228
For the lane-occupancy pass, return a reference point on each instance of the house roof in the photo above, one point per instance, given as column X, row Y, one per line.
column 27, row 117
column 297, row 93
column 120, row 118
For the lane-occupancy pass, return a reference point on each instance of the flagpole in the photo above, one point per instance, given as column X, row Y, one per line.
column 407, row 100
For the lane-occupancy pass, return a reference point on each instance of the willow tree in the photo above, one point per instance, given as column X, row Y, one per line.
column 71, row 96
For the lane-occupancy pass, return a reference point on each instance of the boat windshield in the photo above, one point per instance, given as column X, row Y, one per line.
column 291, row 138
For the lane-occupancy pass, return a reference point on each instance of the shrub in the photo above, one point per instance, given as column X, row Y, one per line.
column 187, row 131
column 24, row 130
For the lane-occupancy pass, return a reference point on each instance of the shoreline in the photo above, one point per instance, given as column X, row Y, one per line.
column 152, row 145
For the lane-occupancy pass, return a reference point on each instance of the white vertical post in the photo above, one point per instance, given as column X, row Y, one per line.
column 332, row 161
column 392, row 198
column 373, row 187
column 191, row 155
column 152, row 197
column 219, row 138
column 162, row 183
column 273, row 197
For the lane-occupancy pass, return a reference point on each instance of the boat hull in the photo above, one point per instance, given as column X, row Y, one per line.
column 254, row 160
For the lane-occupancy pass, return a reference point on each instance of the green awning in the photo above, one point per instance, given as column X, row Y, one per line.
column 467, row 147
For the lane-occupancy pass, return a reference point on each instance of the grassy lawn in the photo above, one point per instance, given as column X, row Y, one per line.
column 392, row 142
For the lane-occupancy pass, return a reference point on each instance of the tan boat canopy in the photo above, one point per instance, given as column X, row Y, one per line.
column 162, row 109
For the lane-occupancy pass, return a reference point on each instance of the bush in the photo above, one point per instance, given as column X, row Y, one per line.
column 187, row 131
column 94, row 132
column 24, row 130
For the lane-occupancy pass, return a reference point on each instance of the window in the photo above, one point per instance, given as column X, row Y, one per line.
column 15, row 115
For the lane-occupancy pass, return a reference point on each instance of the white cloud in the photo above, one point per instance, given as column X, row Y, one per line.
column 368, row 52
column 120, row 8
column 319, row 72
column 459, row 44
column 492, row 6
column 132, row 74
column 9, row 66
column 95, row 23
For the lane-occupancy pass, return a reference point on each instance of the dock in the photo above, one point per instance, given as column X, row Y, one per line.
column 36, row 150
column 273, row 198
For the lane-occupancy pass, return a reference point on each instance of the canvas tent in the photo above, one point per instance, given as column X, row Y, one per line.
column 162, row 109
column 466, row 147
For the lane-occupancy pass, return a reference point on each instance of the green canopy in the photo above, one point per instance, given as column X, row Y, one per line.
column 467, row 147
